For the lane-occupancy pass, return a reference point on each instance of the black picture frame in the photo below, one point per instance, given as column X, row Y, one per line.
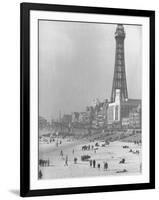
column 25, row 9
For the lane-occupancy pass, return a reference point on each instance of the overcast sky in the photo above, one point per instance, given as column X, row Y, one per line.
column 76, row 64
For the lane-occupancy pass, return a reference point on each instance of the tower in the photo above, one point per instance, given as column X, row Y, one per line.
column 119, row 79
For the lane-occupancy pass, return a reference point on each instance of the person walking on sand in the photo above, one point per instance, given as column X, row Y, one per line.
column 66, row 160
column 40, row 174
column 98, row 165
column 140, row 167
column 73, row 151
column 61, row 153
column 75, row 160
column 90, row 163
column 106, row 166
column 94, row 163
column 57, row 144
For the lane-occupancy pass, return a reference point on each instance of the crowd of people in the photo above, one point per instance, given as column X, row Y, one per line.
column 93, row 164
column 44, row 163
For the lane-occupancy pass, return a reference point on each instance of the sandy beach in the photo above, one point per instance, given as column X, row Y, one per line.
column 112, row 154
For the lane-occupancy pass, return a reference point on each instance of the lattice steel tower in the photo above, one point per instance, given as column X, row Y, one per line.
column 119, row 80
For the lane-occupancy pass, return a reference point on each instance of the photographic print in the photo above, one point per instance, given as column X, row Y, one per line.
column 90, row 99
column 87, row 99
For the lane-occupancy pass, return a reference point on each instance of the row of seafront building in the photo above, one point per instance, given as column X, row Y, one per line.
column 105, row 114
column 108, row 115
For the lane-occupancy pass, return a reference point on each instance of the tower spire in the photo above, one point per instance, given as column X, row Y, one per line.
column 119, row 80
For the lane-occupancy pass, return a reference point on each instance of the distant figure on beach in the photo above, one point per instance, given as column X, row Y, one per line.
column 122, row 171
column 94, row 163
column 44, row 163
column 73, row 151
column 57, row 144
column 90, row 163
column 75, row 160
column 98, row 166
column 66, row 160
column 61, row 153
column 105, row 166
column 122, row 161
column 40, row 174
column 140, row 167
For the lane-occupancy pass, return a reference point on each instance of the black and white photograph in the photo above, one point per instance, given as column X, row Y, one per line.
column 87, row 99
column 90, row 99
